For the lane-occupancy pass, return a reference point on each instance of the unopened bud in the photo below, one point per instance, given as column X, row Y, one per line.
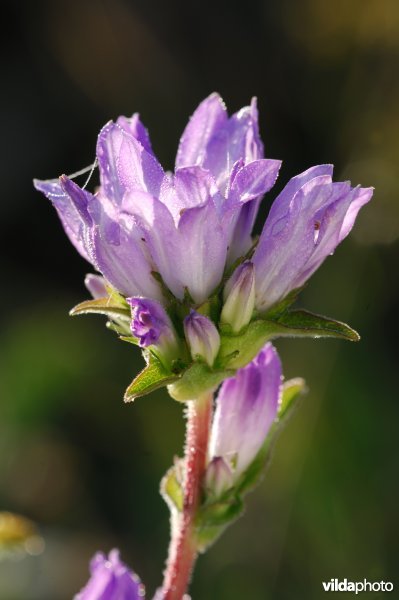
column 202, row 337
column 239, row 297
column 218, row 477
column 96, row 285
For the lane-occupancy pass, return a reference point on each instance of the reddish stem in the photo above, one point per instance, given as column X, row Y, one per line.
column 182, row 548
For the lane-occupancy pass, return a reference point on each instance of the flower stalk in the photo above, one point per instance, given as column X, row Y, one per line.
column 183, row 548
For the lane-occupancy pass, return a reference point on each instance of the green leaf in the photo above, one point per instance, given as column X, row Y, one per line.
column 149, row 379
column 238, row 350
column 196, row 380
column 171, row 489
column 212, row 520
column 109, row 306
column 278, row 309
column 292, row 391
column 306, row 324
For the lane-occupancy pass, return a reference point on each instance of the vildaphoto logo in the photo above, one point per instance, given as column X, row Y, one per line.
column 334, row 585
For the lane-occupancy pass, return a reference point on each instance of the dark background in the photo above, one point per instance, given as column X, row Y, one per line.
column 76, row 460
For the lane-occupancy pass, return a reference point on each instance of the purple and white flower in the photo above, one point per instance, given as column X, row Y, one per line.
column 246, row 407
column 307, row 221
column 111, row 579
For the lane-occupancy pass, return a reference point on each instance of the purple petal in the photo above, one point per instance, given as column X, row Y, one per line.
column 120, row 253
column 237, row 139
column 135, row 127
column 282, row 202
column 362, row 196
column 249, row 185
column 125, row 165
column 190, row 255
column 245, row 409
column 189, row 187
column 111, row 580
column 210, row 115
column 254, row 179
column 71, row 208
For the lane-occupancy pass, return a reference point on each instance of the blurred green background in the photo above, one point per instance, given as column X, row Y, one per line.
column 76, row 460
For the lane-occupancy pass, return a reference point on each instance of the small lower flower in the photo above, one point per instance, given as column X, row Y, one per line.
column 111, row 579
column 246, row 407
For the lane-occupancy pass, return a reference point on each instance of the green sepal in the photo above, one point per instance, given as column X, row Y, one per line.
column 171, row 489
column 149, row 379
column 238, row 350
column 212, row 520
column 281, row 307
column 113, row 306
column 196, row 380
column 125, row 338
column 292, row 391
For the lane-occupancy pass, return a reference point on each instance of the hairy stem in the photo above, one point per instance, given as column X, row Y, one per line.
column 182, row 548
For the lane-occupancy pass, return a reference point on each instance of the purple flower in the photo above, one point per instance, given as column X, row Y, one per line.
column 202, row 337
column 307, row 221
column 239, row 297
column 111, row 580
column 152, row 326
column 185, row 225
column 245, row 410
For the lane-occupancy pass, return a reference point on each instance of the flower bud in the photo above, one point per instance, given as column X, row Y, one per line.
column 96, row 286
column 152, row 326
column 111, row 578
column 218, row 477
column 245, row 410
column 239, row 297
column 202, row 337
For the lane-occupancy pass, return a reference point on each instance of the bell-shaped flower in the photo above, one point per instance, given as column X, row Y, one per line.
column 202, row 337
column 152, row 326
column 307, row 221
column 111, row 579
column 182, row 225
column 239, row 297
column 246, row 407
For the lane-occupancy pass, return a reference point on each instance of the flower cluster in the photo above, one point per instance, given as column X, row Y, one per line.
column 170, row 240
column 181, row 276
